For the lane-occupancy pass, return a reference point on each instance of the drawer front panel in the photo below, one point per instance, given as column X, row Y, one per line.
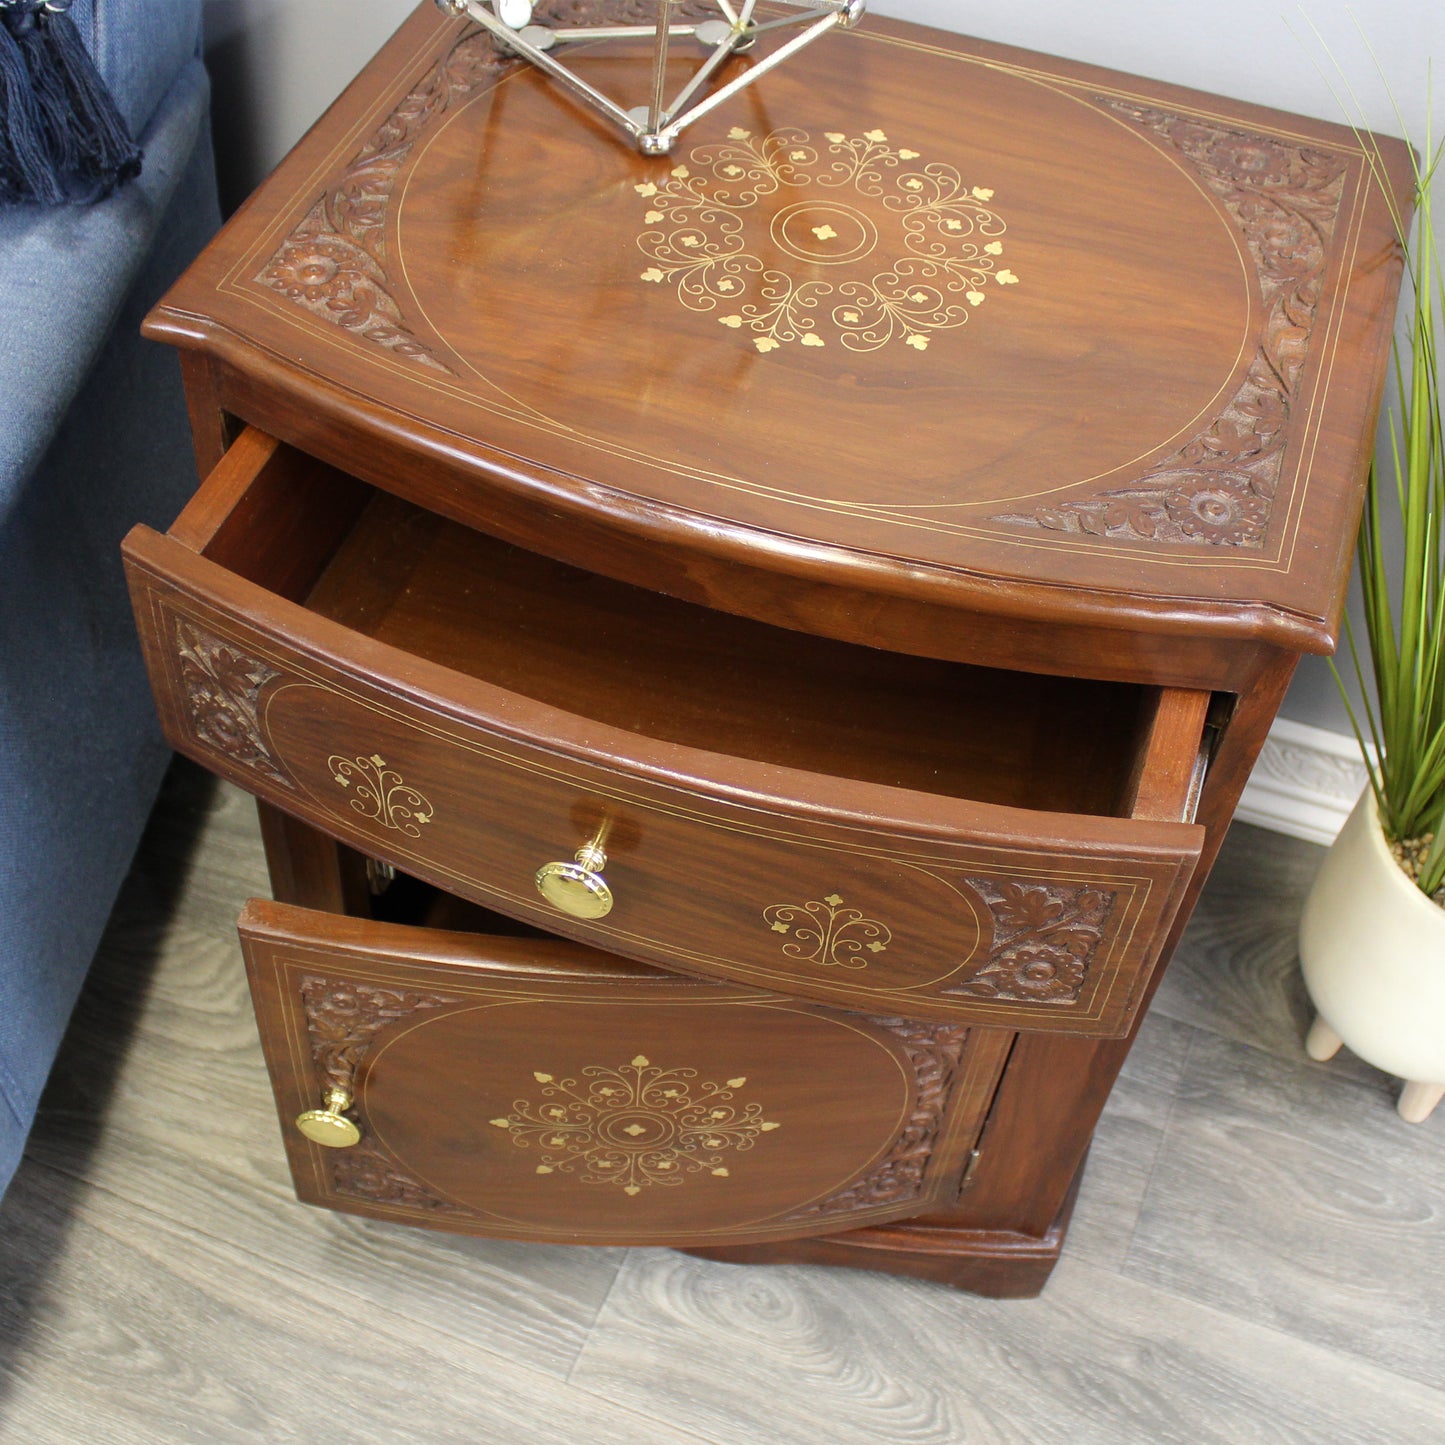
column 510, row 1088
column 820, row 888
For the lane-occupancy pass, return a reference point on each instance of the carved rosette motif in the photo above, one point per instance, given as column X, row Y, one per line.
column 1045, row 937
column 335, row 263
column 223, row 691
column 342, row 1021
column 1218, row 489
column 934, row 1051
column 367, row 1172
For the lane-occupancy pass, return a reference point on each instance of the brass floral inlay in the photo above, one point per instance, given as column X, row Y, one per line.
column 380, row 794
column 940, row 243
column 635, row 1126
column 826, row 932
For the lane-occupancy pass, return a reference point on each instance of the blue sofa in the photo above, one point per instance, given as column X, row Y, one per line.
column 93, row 437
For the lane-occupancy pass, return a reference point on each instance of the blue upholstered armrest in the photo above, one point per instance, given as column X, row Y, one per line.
column 65, row 271
column 93, row 437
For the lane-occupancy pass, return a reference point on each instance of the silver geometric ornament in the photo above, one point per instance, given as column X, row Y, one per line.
column 655, row 127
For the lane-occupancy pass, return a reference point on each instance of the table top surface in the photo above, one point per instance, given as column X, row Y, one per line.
column 919, row 313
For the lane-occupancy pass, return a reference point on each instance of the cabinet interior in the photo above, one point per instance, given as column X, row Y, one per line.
column 408, row 900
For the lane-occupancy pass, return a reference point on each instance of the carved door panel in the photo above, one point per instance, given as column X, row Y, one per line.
column 533, row 1089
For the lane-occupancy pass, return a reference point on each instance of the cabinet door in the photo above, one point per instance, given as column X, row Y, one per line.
column 533, row 1089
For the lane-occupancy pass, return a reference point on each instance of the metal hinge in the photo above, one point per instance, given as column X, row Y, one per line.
column 968, row 1169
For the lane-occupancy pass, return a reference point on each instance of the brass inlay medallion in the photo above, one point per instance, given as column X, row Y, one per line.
column 939, row 241
column 380, row 794
column 635, row 1126
column 830, row 234
column 826, row 932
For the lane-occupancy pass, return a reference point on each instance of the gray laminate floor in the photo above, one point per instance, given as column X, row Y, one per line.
column 1257, row 1254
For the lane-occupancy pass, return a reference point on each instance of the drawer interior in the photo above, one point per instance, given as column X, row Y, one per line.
column 645, row 662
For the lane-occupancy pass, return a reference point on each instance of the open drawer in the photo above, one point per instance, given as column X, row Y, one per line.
column 534, row 1089
column 888, row 833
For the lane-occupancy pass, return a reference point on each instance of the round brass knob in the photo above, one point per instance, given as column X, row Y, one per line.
column 330, row 1126
column 578, row 888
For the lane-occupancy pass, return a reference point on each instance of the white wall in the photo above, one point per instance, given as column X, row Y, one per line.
column 277, row 64
column 1258, row 50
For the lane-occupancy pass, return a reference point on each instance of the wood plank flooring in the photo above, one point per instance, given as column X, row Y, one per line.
column 1258, row 1252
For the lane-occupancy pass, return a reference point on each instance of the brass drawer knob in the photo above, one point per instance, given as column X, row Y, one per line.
column 330, row 1126
column 578, row 888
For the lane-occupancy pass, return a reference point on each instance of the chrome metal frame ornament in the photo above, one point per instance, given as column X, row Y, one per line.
column 655, row 127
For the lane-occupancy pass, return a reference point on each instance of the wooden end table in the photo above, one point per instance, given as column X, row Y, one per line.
column 747, row 657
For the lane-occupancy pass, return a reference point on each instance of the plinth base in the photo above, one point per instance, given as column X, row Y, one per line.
column 996, row 1263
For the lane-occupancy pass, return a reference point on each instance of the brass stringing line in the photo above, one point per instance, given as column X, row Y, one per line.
column 316, row 178
column 303, row 1062
column 1108, row 966
column 294, row 664
column 1314, row 423
column 809, row 501
column 1030, row 72
column 1129, row 883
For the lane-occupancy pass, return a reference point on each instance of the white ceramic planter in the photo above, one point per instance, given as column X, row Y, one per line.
column 1372, row 948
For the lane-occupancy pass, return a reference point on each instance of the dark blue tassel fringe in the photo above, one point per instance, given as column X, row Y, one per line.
column 61, row 136
column 26, row 170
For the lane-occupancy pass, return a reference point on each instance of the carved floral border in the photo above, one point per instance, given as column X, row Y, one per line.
column 334, row 264
column 1218, row 489
column 935, row 1052
column 222, row 688
column 343, row 1019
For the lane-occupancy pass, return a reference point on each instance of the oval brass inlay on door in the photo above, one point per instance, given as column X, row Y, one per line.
column 726, row 1113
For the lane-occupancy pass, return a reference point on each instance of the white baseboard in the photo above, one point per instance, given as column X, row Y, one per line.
column 1305, row 782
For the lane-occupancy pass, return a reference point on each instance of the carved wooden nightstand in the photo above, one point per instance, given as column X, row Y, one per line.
column 747, row 657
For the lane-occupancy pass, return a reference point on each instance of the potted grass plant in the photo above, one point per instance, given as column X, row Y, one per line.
column 1372, row 937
